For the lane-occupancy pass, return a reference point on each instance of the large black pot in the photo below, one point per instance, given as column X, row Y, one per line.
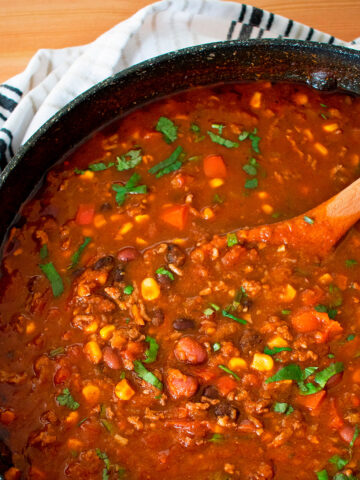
column 325, row 67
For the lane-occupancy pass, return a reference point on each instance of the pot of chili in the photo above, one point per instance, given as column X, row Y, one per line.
column 134, row 342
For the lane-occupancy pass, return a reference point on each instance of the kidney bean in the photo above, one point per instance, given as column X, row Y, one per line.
column 111, row 359
column 180, row 385
column 334, row 380
column 347, row 433
column 188, row 350
column 175, row 255
column 128, row 254
column 182, row 324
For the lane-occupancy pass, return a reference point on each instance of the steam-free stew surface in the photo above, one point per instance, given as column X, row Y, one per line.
column 139, row 339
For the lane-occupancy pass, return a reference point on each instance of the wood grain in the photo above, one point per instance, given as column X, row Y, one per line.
column 26, row 26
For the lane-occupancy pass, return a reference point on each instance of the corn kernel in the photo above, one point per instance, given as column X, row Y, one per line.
column 126, row 228
column 216, row 182
column 72, row 418
column 115, row 217
column 277, row 342
column 87, row 175
column 255, row 101
column 74, row 444
column 282, row 248
column 107, row 331
column 326, row 278
column 141, row 241
column 210, row 331
column 207, row 213
column 288, row 294
column 268, row 209
column 330, row 127
column 300, row 98
column 117, row 339
column 150, row 289
column 123, row 390
column 308, row 134
column 121, row 440
column 91, row 393
column 141, row 218
column 321, row 148
column 237, row 363
column 91, row 327
column 262, row 362
column 93, row 351
column 30, row 328
column 263, row 195
column 99, row 221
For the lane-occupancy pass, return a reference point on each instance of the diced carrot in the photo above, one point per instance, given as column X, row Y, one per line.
column 225, row 385
column 204, row 374
column 335, row 420
column 305, row 321
column 311, row 401
column 85, row 214
column 312, row 296
column 176, row 216
column 214, row 166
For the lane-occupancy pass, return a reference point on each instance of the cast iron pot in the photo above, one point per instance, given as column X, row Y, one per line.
column 322, row 66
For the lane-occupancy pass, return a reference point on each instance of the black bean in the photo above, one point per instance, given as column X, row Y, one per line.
column 157, row 317
column 175, row 255
column 117, row 274
column 211, row 391
column 163, row 280
column 105, row 207
column 223, row 409
column 103, row 262
column 182, row 324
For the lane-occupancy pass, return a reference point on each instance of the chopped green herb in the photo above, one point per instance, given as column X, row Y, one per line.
column 275, row 350
column 322, row 377
column 82, row 421
column 308, row 220
column 254, row 141
column 231, row 239
column 331, row 355
column 208, row 312
column 103, row 456
column 194, row 158
column 167, row 128
column 249, row 169
column 217, row 199
column 44, row 251
column 243, row 135
column 216, row 438
column 164, row 271
column 339, row 462
column 147, row 376
column 194, row 128
column 67, row 400
column 350, row 337
column 290, row 372
column 237, row 319
column 76, row 257
column 283, row 408
column 57, row 351
column 54, row 278
column 131, row 187
column 355, row 436
column 152, row 351
column 322, row 115
column 128, row 289
column 157, row 397
column 216, row 347
column 135, row 158
column 215, row 307
column 168, row 165
column 78, row 171
column 106, row 425
column 251, row 183
column 99, row 167
column 286, row 312
column 276, row 215
column 350, row 262
column 230, row 372
column 122, row 375
column 323, row 475
column 218, row 127
column 336, row 294
column 222, row 141
column 332, row 312
column 323, row 105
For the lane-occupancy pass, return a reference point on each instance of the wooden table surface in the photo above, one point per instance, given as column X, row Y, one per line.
column 27, row 25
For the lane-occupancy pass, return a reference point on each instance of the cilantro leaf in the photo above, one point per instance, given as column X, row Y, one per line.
column 44, row 252
column 135, row 158
column 250, row 169
column 230, row 372
column 283, row 408
column 339, row 462
column 67, row 400
column 251, row 183
column 147, row 376
column 168, row 165
column 275, row 350
column 237, row 319
column 308, row 220
column 167, row 128
column 290, row 372
column 99, row 167
column 322, row 377
column 128, row 289
column 222, row 141
column 54, row 278
column 216, row 438
column 164, row 271
column 323, row 475
column 130, row 187
column 151, row 352
column 231, row 239
column 76, row 257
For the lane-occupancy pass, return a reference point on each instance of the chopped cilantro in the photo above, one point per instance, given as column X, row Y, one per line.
column 135, row 158
column 67, row 400
column 103, row 456
column 283, row 408
column 167, row 128
column 152, row 351
column 308, row 220
column 290, row 372
column 339, row 462
column 131, row 187
column 230, row 372
column 208, row 312
column 78, row 171
column 322, row 377
column 147, row 376
column 44, row 251
column 164, row 271
column 168, row 165
column 332, row 312
column 276, row 215
column 322, row 115
column 243, row 135
column 106, row 425
column 128, row 289
column 215, row 307
column 350, row 337
column 57, row 351
column 122, row 375
column 194, row 128
column 54, row 278
column 217, row 199
column 275, row 350
column 249, row 169
column 222, row 141
column 331, row 355
column 323, row 475
column 335, row 292
column 231, row 239
column 216, row 438
column 255, row 139
column 286, row 312
column 350, row 262
column 218, row 127
column 355, row 436
column 251, row 183
column 323, row 105
column 228, row 315
column 76, row 256
column 82, row 421
column 99, row 167
column 216, row 347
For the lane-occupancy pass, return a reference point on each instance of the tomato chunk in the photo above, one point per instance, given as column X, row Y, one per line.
column 176, row 216
column 85, row 214
column 214, row 166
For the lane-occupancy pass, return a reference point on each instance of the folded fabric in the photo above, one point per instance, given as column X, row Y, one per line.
column 54, row 77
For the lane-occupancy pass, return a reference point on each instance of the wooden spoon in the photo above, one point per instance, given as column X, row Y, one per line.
column 317, row 230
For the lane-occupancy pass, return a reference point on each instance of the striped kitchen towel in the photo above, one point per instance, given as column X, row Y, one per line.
column 55, row 77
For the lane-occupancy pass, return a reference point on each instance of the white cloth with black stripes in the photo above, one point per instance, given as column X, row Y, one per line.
column 54, row 77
